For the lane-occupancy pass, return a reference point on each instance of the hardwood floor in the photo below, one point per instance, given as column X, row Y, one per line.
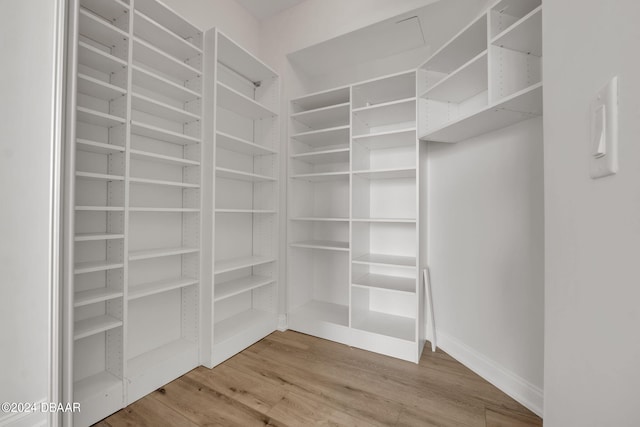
column 292, row 379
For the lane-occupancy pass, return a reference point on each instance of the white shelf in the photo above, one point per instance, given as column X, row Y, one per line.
column 151, row 56
column 387, row 220
column 241, row 176
column 323, row 312
column 385, row 324
column 164, row 210
column 88, row 237
column 99, row 176
column 394, row 173
column 523, row 36
column 160, row 286
column 100, row 208
column 322, row 176
column 159, row 109
column 109, row 10
column 229, row 328
column 99, row 60
column 238, row 286
column 321, row 219
column 149, row 360
column 520, row 106
column 95, row 384
column 167, row 41
column 322, row 99
column 94, row 266
column 386, row 260
column 146, row 181
column 388, row 283
column 323, row 137
column 245, row 211
column 242, row 61
column 94, row 325
column 145, row 155
column 232, row 100
column 98, row 89
column 151, row 81
column 467, row 81
column 169, row 20
column 384, row 89
column 98, row 147
column 233, row 264
column 322, row 244
column 325, row 117
column 93, row 296
column 239, row 145
column 160, row 253
column 93, row 117
column 99, row 30
column 338, row 155
column 387, row 139
column 387, row 113
column 154, row 132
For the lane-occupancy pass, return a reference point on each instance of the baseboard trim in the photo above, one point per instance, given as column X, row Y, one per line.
column 513, row 385
column 26, row 419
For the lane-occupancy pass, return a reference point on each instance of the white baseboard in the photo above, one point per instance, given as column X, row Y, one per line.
column 26, row 419
column 513, row 385
column 283, row 323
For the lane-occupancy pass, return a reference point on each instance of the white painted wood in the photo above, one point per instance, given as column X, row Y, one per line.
column 525, row 35
column 465, row 82
column 322, row 244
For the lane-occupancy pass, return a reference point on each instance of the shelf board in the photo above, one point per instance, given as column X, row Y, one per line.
column 169, row 19
column 87, row 237
column 232, row 100
column 321, row 219
column 94, row 266
column 233, row 264
column 241, row 176
column 100, row 208
column 109, row 10
column 160, row 253
column 99, row 30
column 87, row 115
column 93, row 296
column 523, row 36
column 469, row 42
column 386, row 260
column 321, row 176
column 151, row 81
column 322, row 244
column 403, row 328
column 384, row 89
column 394, row 173
column 388, row 139
column 165, row 40
column 245, row 211
column 338, row 155
column 239, row 145
column 165, row 210
column 154, row 58
column 324, row 137
column 95, row 384
column 467, row 81
column 138, row 365
column 242, row 61
column 325, row 98
column 388, row 283
column 99, row 176
column 320, row 311
column 146, row 155
column 154, row 132
column 98, row 89
column 160, row 109
column 325, row 117
column 387, row 220
column 146, row 181
column 238, row 286
column 98, row 147
column 228, row 328
column 94, row 325
column 387, row 113
column 160, row 286
column 99, row 60
column 520, row 106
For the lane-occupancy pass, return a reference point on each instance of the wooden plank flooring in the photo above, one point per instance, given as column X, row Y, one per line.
column 292, row 379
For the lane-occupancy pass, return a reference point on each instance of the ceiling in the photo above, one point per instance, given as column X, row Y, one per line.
column 263, row 9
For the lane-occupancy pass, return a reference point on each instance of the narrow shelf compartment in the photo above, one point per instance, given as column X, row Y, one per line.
column 245, row 211
column 241, row 176
column 99, row 60
column 387, row 113
column 228, row 328
column 99, row 30
column 159, row 109
column 322, row 176
column 95, row 384
column 98, row 147
column 389, row 283
column 109, row 10
column 339, row 155
column 386, row 173
column 523, row 36
column 160, row 253
column 325, row 117
column 322, row 99
column 239, row 145
column 155, row 83
column 232, row 100
column 94, row 266
column 160, row 286
column 98, row 89
column 387, row 139
column 238, row 286
column 151, row 359
column 88, row 237
column 161, row 182
column 146, row 155
column 323, row 312
column 241, row 61
column 164, row 210
column 385, row 324
column 154, row 132
column 167, row 41
column 93, row 296
column 321, row 244
column 169, row 20
column 87, row 115
column 153, row 57
column 386, row 260
column 467, row 81
column 94, row 325
column 520, row 106
column 99, row 176
column 321, row 219
column 384, row 90
column 324, row 137
column 99, row 208
column 233, row 264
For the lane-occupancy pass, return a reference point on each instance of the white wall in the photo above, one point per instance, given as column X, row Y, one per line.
column 26, row 84
column 592, row 314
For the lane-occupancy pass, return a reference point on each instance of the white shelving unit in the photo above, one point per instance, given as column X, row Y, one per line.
column 487, row 77
column 245, row 283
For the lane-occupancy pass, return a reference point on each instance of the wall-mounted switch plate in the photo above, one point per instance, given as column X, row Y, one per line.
column 603, row 144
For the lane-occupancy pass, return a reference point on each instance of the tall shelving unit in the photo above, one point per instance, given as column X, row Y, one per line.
column 247, row 136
